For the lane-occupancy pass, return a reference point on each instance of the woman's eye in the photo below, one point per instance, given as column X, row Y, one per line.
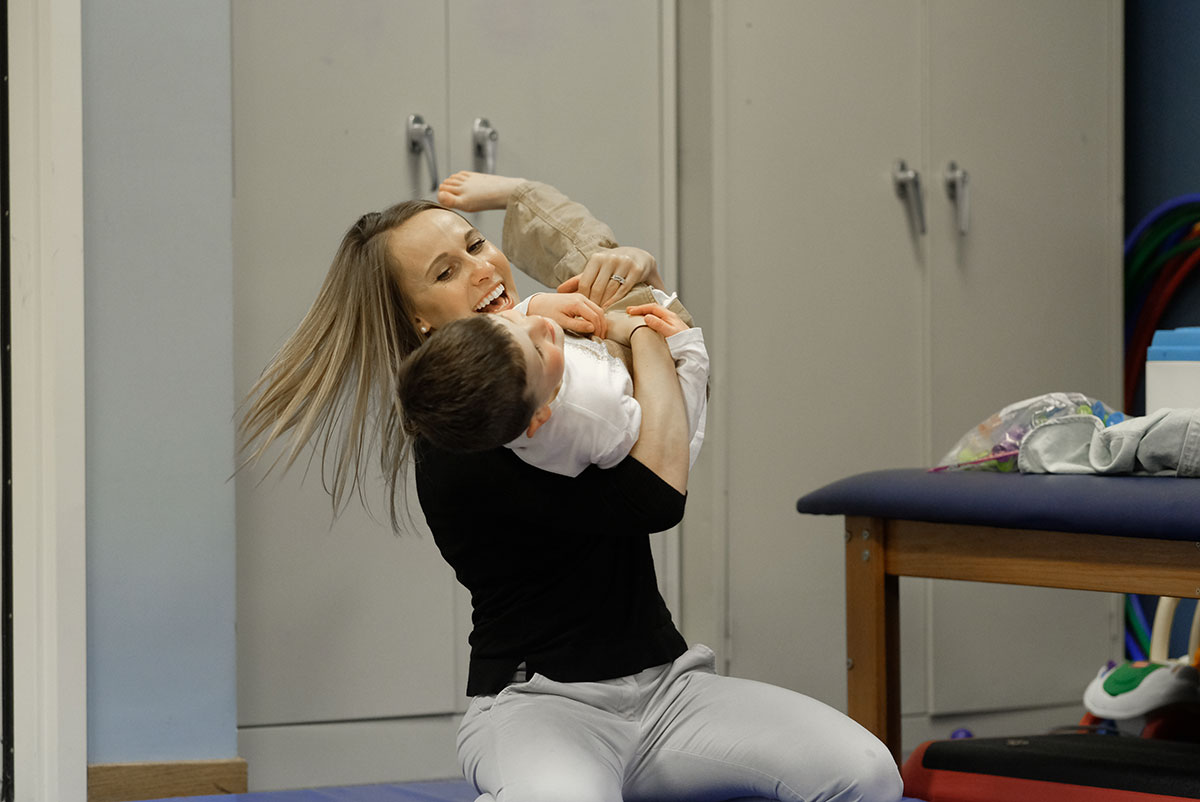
column 444, row 275
column 475, row 246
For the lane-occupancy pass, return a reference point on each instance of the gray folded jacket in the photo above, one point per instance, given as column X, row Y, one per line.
column 1165, row 443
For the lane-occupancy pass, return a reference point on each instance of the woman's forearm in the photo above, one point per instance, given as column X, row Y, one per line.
column 662, row 445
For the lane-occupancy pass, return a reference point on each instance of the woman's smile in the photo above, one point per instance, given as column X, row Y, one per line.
column 497, row 300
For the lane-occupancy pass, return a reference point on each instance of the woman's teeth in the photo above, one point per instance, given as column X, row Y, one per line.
column 491, row 296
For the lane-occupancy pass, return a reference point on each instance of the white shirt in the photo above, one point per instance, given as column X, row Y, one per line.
column 595, row 420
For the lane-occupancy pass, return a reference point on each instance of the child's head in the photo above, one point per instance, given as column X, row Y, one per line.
column 478, row 382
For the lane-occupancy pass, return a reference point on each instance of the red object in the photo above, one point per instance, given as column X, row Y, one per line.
column 937, row 783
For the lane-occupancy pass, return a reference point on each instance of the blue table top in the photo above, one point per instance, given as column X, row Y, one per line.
column 1130, row 506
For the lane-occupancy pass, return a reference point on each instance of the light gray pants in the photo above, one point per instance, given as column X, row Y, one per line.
column 673, row 732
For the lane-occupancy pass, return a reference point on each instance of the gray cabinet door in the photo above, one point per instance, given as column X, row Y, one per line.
column 1025, row 96
column 337, row 620
column 820, row 373
column 852, row 342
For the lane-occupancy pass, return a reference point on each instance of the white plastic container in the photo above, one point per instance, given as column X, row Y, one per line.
column 1173, row 369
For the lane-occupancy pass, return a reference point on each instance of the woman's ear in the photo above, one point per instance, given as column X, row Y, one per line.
column 422, row 326
column 539, row 417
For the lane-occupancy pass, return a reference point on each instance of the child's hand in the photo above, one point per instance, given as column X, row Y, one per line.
column 573, row 311
column 659, row 318
column 631, row 265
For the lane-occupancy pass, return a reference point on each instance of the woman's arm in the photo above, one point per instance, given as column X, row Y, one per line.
column 662, row 444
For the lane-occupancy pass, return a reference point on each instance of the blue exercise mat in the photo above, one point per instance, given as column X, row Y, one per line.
column 434, row 791
column 430, row 791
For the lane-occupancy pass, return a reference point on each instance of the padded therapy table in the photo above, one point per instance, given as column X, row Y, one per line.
column 1126, row 534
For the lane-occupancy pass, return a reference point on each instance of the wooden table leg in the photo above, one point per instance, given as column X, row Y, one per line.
column 872, row 632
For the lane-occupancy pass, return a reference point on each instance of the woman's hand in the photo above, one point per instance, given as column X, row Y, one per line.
column 573, row 311
column 621, row 326
column 631, row 266
column 659, row 318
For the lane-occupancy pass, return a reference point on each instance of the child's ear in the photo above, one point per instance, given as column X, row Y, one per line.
column 539, row 417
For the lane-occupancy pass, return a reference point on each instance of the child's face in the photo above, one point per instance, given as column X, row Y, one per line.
column 541, row 341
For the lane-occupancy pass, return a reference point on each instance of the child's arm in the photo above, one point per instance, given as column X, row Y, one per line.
column 558, row 242
column 691, row 366
column 550, row 236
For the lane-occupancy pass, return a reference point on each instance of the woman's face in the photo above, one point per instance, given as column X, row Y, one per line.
column 448, row 270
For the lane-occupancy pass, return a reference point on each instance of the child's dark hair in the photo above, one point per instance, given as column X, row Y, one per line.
column 464, row 389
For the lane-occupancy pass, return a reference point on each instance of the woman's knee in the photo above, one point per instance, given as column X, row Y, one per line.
column 882, row 780
column 866, row 775
column 851, row 765
column 555, row 786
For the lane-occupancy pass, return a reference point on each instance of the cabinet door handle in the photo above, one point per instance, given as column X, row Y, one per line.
column 485, row 138
column 908, row 188
column 420, row 139
column 956, row 188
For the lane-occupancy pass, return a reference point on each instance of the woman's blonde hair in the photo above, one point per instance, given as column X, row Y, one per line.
column 335, row 377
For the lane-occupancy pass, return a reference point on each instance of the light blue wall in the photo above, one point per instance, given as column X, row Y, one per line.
column 159, row 275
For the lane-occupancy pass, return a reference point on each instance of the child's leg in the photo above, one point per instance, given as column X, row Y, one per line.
column 476, row 192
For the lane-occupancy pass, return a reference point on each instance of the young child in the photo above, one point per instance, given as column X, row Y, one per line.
column 561, row 401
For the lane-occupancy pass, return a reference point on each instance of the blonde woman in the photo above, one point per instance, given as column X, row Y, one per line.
column 582, row 687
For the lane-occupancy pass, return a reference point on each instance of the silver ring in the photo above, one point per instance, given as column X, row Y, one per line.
column 616, row 278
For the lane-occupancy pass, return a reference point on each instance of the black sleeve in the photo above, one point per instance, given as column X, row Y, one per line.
column 627, row 498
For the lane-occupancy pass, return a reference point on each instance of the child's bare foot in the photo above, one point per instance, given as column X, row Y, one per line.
column 475, row 192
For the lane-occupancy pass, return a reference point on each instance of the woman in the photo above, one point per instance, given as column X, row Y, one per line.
column 582, row 687
column 337, row 370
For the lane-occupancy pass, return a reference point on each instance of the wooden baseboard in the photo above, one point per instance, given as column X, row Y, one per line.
column 126, row 782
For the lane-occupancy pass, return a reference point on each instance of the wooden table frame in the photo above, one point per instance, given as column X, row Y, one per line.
column 879, row 551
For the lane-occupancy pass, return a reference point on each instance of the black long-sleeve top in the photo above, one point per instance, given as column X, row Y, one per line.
column 559, row 569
